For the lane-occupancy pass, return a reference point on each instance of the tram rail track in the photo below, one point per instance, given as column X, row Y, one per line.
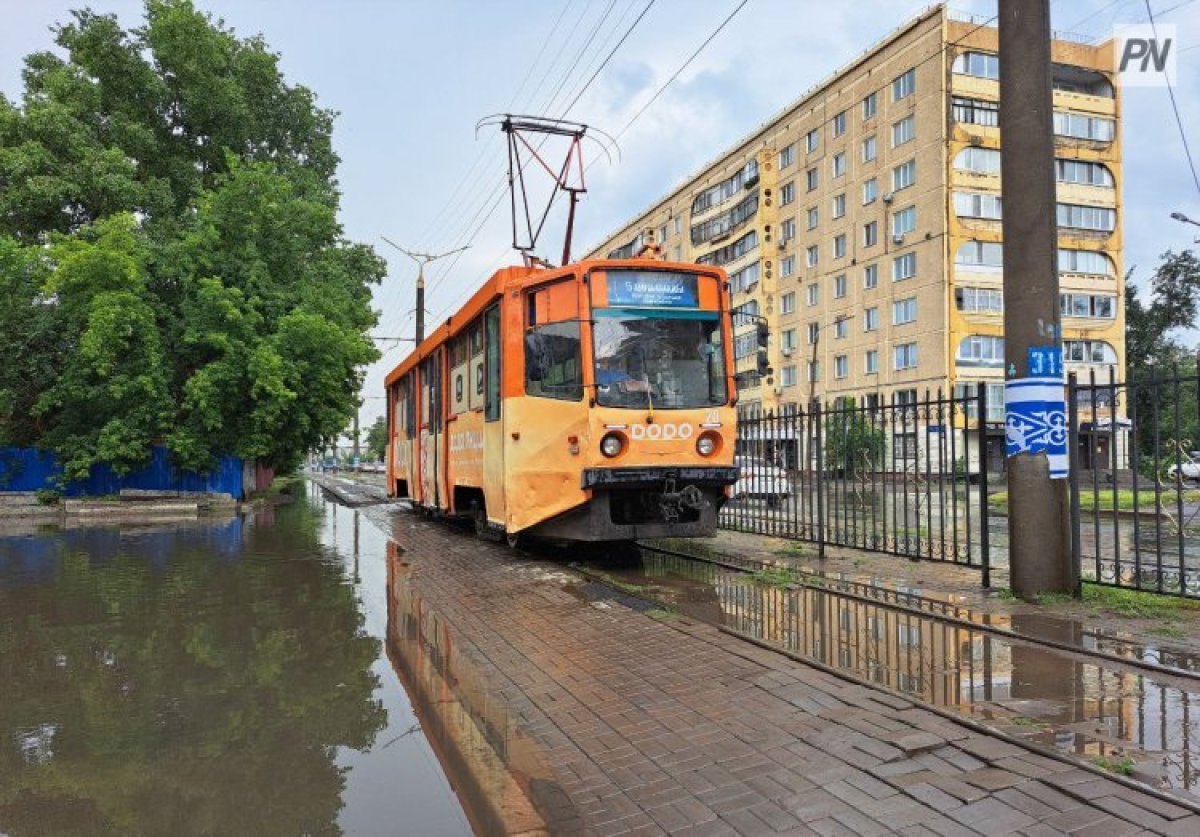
column 940, row 610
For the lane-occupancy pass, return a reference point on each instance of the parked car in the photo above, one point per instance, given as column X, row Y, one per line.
column 759, row 478
column 1188, row 468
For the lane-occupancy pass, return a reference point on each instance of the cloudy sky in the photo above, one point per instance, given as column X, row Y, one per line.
column 410, row 79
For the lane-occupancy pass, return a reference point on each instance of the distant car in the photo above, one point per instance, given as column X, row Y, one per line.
column 1188, row 469
column 759, row 478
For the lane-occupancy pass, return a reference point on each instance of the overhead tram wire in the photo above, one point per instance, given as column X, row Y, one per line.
column 1174, row 104
column 498, row 194
column 489, row 144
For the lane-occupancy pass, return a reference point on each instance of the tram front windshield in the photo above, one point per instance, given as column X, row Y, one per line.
column 668, row 360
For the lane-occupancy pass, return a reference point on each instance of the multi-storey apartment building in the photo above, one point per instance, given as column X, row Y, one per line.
column 864, row 223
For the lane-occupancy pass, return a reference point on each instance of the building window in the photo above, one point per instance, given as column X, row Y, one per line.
column 980, row 254
column 1079, row 217
column 839, row 286
column 812, row 255
column 814, row 330
column 871, row 276
column 968, row 393
column 978, row 64
column 838, row 164
column 788, row 341
column 870, row 105
column 743, row 281
column 870, row 233
column 841, row 327
column 979, row 300
column 787, row 376
column 812, row 140
column 904, row 175
column 839, row 124
column 871, row 318
column 1085, row 261
column 813, row 178
column 787, row 266
column 839, row 246
column 868, row 149
column 678, row 225
column 788, row 302
column 841, row 366
column 726, row 189
column 725, row 222
column 1097, row 306
column 744, row 346
column 904, row 267
column 730, row 252
column 787, row 230
column 904, row 311
column 813, row 294
column 870, row 190
column 905, row 356
column 662, row 233
column 903, row 131
column 1083, row 173
column 1089, row 351
column 1079, row 126
column 787, row 193
column 904, row 221
column 981, row 350
column 871, row 361
column 978, row 160
column 978, row 205
column 976, row 112
column 787, row 156
column 903, row 85
column 839, row 205
column 814, row 217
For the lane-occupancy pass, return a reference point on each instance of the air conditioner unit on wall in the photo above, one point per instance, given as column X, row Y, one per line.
column 887, row 198
column 898, row 238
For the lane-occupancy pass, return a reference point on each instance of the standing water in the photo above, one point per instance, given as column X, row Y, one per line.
column 216, row 678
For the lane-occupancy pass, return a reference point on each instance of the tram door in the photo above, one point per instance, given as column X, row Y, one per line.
column 430, row 434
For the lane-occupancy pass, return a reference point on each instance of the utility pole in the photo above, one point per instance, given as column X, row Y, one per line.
column 1035, row 415
column 357, row 458
column 422, row 259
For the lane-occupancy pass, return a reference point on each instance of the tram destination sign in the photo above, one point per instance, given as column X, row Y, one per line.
column 653, row 289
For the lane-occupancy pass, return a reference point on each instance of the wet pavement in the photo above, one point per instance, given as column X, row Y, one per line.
column 211, row 678
column 1088, row 706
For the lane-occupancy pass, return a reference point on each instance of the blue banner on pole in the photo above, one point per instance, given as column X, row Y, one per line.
column 1035, row 420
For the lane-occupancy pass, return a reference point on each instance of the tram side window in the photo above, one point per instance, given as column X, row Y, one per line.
column 433, row 398
column 491, row 327
column 410, row 408
column 475, row 382
column 553, row 355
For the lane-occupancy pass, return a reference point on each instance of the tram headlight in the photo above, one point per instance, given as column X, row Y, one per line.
column 612, row 445
column 708, row 444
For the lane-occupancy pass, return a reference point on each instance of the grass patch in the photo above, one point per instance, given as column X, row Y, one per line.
column 1135, row 603
column 1102, row 499
column 1053, row 598
column 1121, row 764
column 1170, row 630
column 775, row 576
column 623, row 586
column 1026, row 721
column 1006, row 595
column 793, row 550
column 663, row 614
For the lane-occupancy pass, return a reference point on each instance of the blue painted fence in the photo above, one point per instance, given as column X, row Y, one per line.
column 29, row 469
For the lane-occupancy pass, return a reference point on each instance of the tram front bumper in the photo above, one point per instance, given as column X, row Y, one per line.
column 645, row 502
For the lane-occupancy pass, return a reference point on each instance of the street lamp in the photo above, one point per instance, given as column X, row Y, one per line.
column 812, row 365
column 1183, row 219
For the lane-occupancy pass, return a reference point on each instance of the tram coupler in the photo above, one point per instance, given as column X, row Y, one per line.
column 671, row 502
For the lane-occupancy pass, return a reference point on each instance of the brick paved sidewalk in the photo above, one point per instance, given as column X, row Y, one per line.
column 653, row 726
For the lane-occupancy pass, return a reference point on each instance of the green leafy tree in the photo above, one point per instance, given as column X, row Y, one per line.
column 1154, row 351
column 171, row 263
column 377, row 439
column 854, row 442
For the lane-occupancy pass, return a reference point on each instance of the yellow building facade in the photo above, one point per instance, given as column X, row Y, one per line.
column 864, row 223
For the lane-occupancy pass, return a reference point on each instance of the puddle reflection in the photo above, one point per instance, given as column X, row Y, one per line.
column 1088, row 708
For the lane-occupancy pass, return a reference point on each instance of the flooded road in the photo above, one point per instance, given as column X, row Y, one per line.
column 227, row 678
column 1101, row 711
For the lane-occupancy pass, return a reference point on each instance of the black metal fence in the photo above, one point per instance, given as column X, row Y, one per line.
column 906, row 478
column 1135, row 485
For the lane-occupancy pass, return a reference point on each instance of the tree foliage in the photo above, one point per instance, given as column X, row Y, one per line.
column 1155, row 351
column 171, row 263
column 377, row 439
column 855, row 441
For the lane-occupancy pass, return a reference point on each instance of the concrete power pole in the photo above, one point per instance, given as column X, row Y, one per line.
column 422, row 259
column 1035, row 421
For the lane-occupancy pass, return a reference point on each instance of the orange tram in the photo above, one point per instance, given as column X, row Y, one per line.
column 592, row 402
